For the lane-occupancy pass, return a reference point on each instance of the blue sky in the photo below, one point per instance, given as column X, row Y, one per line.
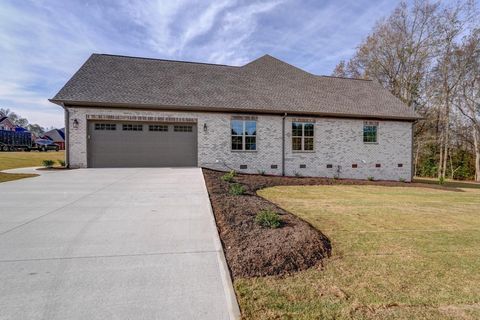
column 43, row 42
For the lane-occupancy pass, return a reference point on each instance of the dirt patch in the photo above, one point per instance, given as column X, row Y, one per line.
column 251, row 250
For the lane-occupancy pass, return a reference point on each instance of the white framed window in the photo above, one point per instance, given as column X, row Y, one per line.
column 303, row 136
column 244, row 135
column 370, row 132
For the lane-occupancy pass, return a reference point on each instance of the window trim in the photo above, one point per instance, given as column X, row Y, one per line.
column 138, row 126
column 102, row 126
column 303, row 123
column 182, row 128
column 243, row 135
column 370, row 124
column 160, row 127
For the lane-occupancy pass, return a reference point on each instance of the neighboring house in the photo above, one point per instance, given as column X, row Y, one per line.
column 266, row 116
column 6, row 123
column 57, row 136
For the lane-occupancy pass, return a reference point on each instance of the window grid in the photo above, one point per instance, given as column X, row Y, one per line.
column 370, row 133
column 182, row 128
column 132, row 127
column 105, row 126
column 303, row 136
column 244, row 135
column 158, row 127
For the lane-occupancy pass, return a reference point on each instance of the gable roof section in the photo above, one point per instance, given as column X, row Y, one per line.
column 265, row 85
column 55, row 135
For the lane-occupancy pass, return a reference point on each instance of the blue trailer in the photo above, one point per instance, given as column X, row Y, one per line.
column 15, row 140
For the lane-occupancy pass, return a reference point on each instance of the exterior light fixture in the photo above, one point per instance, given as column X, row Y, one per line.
column 205, row 128
column 75, row 123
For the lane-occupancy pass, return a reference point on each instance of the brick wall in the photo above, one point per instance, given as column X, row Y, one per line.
column 338, row 142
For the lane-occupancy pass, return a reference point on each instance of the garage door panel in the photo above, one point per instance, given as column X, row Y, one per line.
column 113, row 146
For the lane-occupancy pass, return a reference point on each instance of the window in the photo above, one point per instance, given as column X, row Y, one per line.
column 157, row 127
column 132, row 127
column 105, row 126
column 302, row 136
column 370, row 132
column 180, row 128
column 244, row 135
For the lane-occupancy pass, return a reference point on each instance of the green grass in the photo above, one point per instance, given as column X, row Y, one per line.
column 398, row 253
column 12, row 160
column 4, row 177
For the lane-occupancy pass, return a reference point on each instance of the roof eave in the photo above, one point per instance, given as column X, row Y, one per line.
column 73, row 103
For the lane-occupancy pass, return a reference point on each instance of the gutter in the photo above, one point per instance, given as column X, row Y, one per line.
column 283, row 144
column 157, row 107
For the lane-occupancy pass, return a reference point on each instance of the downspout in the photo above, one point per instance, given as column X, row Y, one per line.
column 283, row 143
column 67, row 136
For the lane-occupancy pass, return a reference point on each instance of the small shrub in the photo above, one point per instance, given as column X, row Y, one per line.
column 402, row 180
column 261, row 172
column 228, row 177
column 237, row 189
column 370, row 178
column 268, row 219
column 61, row 162
column 48, row 163
column 441, row 180
column 298, row 174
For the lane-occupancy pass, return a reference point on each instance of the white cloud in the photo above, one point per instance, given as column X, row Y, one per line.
column 42, row 43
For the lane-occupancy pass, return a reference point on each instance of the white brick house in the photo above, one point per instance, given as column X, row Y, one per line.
column 267, row 116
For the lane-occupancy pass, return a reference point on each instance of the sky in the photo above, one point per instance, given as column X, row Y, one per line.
column 43, row 42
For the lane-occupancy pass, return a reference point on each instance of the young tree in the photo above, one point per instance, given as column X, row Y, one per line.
column 417, row 54
column 468, row 101
column 398, row 52
column 450, row 68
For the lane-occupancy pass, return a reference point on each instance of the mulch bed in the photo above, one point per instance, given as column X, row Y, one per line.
column 252, row 250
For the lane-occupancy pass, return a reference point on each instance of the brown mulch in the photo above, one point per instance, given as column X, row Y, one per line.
column 252, row 250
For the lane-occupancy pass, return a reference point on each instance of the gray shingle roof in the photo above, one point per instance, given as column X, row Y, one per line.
column 263, row 85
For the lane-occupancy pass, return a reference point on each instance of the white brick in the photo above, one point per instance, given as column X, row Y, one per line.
column 337, row 141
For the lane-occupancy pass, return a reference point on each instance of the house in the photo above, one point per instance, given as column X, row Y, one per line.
column 266, row 116
column 57, row 136
column 6, row 123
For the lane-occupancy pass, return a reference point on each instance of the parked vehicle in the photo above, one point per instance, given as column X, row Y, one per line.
column 45, row 145
column 15, row 140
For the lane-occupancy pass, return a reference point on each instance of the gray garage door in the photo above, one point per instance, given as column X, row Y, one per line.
column 136, row 144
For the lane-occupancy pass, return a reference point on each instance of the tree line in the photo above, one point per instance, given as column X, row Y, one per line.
column 23, row 122
column 428, row 55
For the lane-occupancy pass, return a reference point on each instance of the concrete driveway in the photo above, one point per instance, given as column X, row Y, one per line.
column 111, row 244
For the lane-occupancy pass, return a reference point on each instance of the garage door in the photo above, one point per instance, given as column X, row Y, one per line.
column 136, row 144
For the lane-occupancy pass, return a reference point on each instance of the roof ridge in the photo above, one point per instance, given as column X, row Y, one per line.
column 345, row 78
column 159, row 59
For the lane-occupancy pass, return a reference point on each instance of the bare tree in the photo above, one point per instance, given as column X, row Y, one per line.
column 468, row 101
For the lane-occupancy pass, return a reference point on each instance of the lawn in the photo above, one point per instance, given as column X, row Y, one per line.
column 12, row 160
column 398, row 253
